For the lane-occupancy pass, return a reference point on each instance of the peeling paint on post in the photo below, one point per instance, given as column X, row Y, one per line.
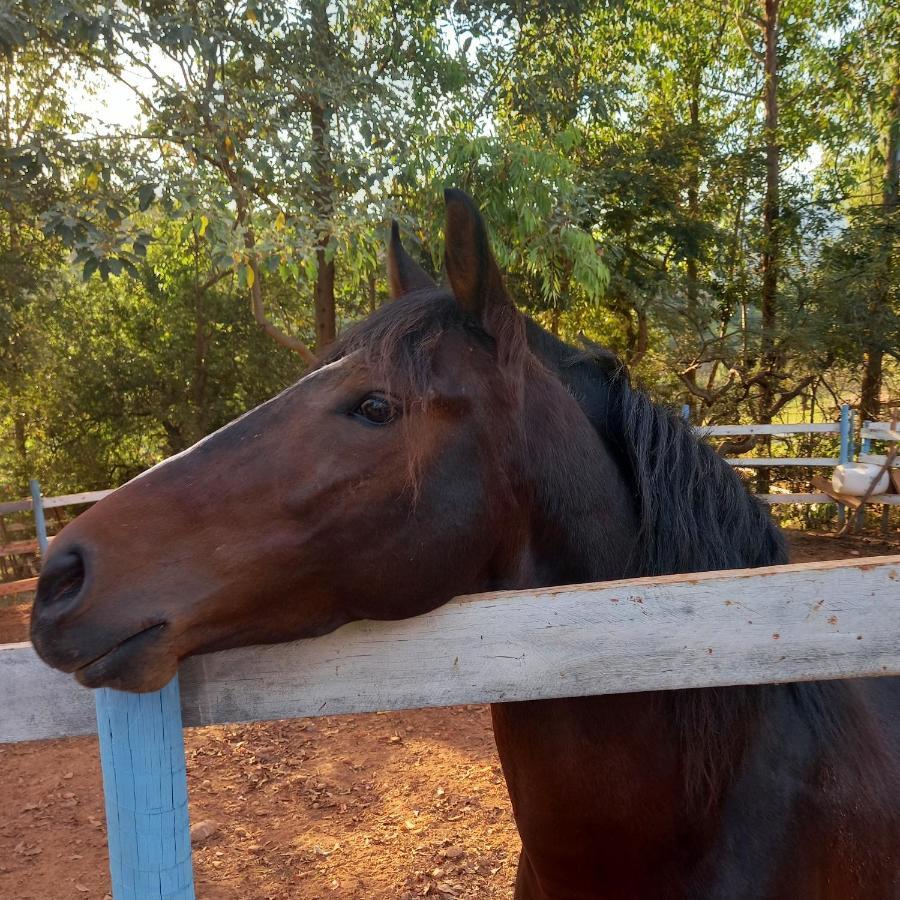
column 846, row 451
column 145, row 793
column 40, row 524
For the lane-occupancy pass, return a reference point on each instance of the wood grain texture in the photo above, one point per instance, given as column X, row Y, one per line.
column 798, row 428
column 145, row 794
column 752, row 461
column 785, row 623
column 794, row 498
column 12, row 506
column 879, row 431
column 18, row 548
column 885, row 499
column 8, row 588
column 76, row 499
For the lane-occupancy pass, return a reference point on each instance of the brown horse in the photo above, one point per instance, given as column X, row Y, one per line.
column 447, row 446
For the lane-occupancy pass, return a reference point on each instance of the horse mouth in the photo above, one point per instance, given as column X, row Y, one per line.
column 120, row 665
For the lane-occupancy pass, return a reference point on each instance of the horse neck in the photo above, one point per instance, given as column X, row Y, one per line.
column 582, row 521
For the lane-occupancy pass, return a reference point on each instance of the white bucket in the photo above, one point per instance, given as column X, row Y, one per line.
column 854, row 479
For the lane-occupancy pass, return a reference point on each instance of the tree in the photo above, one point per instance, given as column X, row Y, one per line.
column 289, row 116
column 33, row 109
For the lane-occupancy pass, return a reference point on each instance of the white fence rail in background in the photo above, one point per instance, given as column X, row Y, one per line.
column 52, row 502
column 842, row 428
column 780, row 430
column 887, row 432
column 776, row 461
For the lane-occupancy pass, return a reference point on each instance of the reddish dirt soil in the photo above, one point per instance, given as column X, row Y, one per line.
column 390, row 806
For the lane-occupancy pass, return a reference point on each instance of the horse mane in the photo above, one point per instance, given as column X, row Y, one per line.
column 695, row 513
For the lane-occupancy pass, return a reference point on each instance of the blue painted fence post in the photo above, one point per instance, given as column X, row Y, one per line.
column 867, row 442
column 145, row 793
column 686, row 412
column 845, row 453
column 846, row 434
column 40, row 523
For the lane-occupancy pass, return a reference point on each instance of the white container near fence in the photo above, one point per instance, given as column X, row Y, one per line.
column 854, row 479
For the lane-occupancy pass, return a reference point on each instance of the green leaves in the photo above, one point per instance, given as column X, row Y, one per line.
column 146, row 195
column 615, row 149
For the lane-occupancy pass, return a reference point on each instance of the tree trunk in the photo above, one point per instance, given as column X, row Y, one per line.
column 20, row 437
column 870, row 392
column 200, row 374
column 870, row 399
column 373, row 296
column 693, row 198
column 693, row 195
column 323, row 190
column 771, row 256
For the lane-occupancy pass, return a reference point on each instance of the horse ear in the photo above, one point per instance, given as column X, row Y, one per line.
column 471, row 269
column 404, row 273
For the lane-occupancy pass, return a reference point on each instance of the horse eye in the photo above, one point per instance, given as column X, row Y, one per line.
column 376, row 409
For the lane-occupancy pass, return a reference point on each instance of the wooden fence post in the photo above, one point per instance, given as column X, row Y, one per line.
column 145, row 793
column 40, row 523
column 866, row 441
column 846, row 451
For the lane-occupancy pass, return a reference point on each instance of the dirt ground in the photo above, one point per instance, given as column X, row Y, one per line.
column 391, row 806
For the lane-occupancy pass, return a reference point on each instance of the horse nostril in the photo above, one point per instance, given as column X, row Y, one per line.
column 62, row 578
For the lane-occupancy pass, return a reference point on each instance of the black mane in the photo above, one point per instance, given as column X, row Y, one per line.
column 695, row 513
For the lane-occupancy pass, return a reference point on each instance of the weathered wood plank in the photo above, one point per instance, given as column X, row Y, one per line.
column 18, row 548
column 9, row 588
column 785, row 623
column 76, row 499
column 878, row 431
column 795, row 498
column 12, row 506
column 787, row 430
column 752, row 461
column 874, row 459
column 774, row 499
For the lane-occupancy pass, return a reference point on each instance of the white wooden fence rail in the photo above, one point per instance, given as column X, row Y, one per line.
column 780, row 430
column 757, row 461
column 751, row 626
column 51, row 502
